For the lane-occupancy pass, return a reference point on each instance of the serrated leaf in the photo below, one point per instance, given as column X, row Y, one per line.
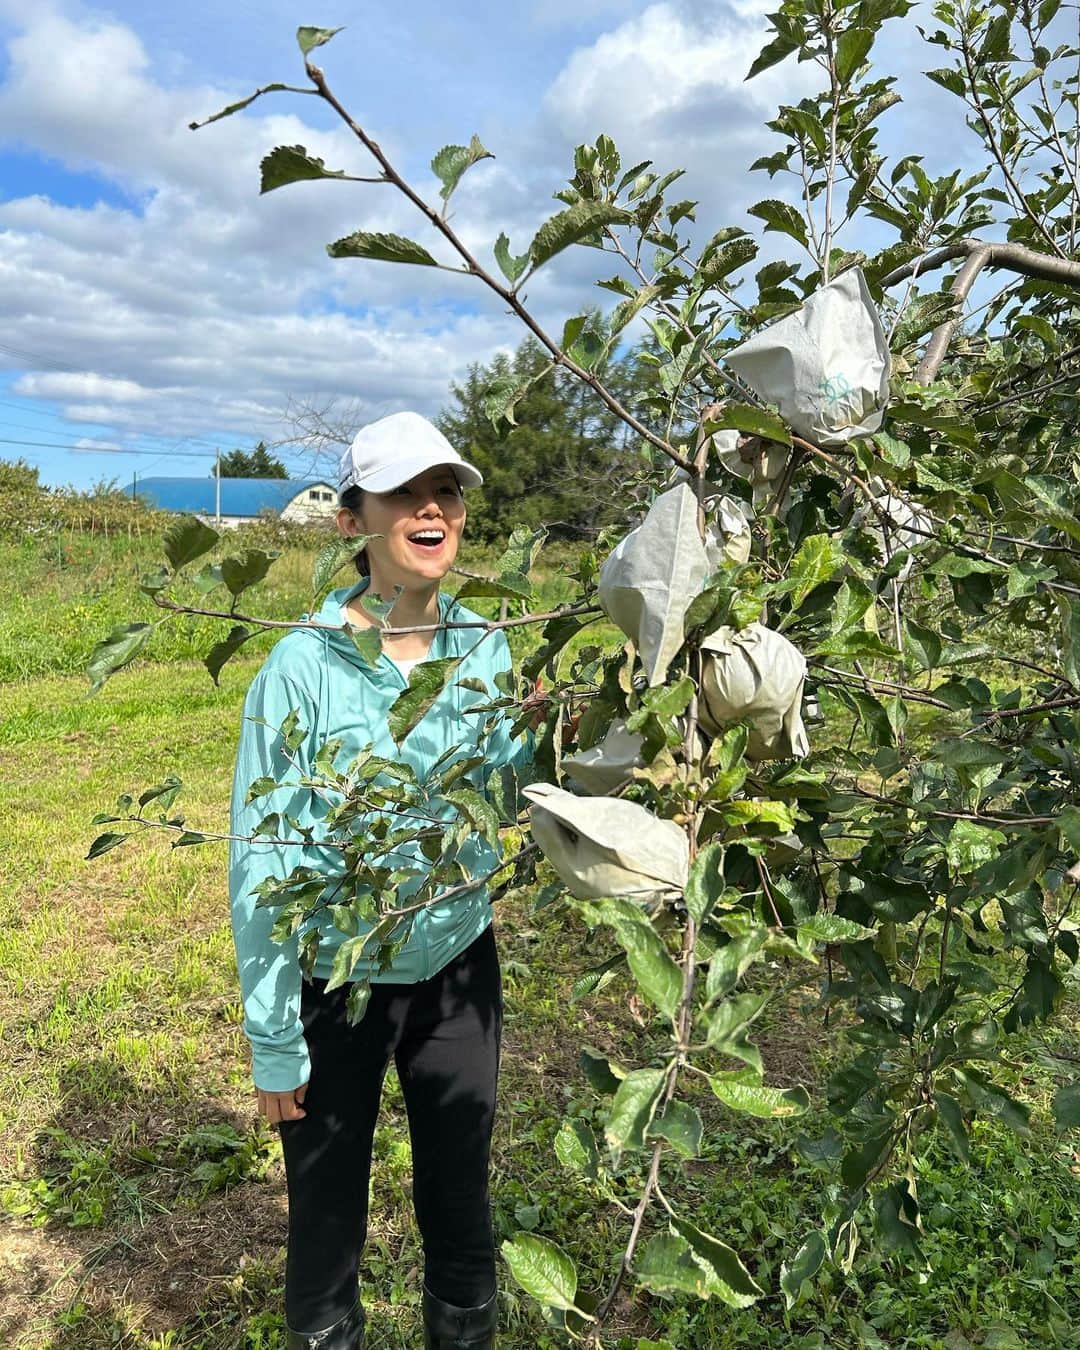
column 478, row 811
column 833, row 928
column 331, row 558
column 189, row 837
column 967, row 753
column 771, row 54
column 666, row 1265
column 576, row 1149
column 755, row 1099
column 571, row 226
column 104, row 842
column 368, row 642
column 240, row 573
column 292, row 164
column 681, row 1126
column 310, row 38
column 632, row 1109
column 657, row 975
column 753, row 421
column 970, row 845
column 186, row 539
column 116, row 651
column 728, row 1279
column 780, row 216
column 543, row 1270
column 706, row 883
column 381, row 247
column 511, row 266
column 1067, row 1107
column 426, row 682
column 852, row 48
column 923, row 643
column 602, row 1075
column 452, row 161
column 726, row 259
column 803, row 1266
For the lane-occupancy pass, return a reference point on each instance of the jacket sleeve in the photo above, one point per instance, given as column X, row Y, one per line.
column 270, row 978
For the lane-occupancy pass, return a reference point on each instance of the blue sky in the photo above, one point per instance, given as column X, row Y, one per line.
column 153, row 305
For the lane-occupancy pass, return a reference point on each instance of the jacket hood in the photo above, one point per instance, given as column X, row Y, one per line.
column 334, row 637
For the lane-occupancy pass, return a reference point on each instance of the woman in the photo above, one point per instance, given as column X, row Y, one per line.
column 438, row 1009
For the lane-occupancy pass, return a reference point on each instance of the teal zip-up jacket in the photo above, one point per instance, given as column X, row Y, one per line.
column 320, row 674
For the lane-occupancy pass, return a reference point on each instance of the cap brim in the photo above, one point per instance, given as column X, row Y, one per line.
column 401, row 472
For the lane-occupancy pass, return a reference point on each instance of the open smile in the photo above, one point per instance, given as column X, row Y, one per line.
column 430, row 540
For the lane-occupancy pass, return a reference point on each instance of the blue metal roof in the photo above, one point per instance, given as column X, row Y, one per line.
column 239, row 496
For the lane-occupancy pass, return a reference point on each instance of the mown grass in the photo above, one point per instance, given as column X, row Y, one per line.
column 144, row 1203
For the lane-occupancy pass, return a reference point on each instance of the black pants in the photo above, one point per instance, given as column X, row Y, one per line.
column 444, row 1036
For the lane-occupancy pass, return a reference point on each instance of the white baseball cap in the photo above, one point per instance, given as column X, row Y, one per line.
column 389, row 452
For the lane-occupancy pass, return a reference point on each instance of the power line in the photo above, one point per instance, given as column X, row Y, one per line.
column 108, row 449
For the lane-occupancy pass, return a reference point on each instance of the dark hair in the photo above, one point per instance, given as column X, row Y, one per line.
column 353, row 500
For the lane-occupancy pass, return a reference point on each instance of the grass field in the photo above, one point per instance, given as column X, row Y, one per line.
column 143, row 1203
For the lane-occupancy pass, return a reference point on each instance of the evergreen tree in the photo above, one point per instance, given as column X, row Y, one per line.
column 257, row 463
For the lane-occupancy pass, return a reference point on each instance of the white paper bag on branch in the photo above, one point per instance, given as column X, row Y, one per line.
column 604, row 846
column 898, row 534
column 761, row 463
column 755, row 674
column 825, row 367
column 602, row 767
column 727, row 527
column 650, row 577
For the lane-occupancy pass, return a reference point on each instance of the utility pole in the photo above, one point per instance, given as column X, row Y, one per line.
column 134, row 476
column 217, row 488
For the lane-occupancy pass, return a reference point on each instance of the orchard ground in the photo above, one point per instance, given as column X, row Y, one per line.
column 143, row 1203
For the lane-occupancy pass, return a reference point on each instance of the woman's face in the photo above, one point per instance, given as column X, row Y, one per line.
column 420, row 524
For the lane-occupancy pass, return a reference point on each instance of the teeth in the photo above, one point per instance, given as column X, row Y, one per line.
column 435, row 536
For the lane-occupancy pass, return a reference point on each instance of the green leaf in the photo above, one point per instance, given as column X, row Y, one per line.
column 728, row 1279
column 770, row 55
column 632, row 1109
column 520, row 553
column 753, row 421
column 681, row 1126
column 568, row 227
column 452, row 161
column 381, row 247
column 104, row 842
column 576, row 1149
column 896, row 1217
column 780, row 216
column 368, row 642
column 240, row 573
column 729, row 963
column 923, row 644
column 511, row 266
column 706, row 882
column 970, row 845
column 987, row 1096
column 852, row 48
column 755, row 1099
column 819, row 558
column 951, row 1116
column 508, row 587
column 189, row 837
column 543, row 1270
column 667, row 1265
column 657, row 975
column 478, row 811
column 116, row 651
column 726, row 259
column 833, row 928
column 1067, row 1107
column 803, row 1266
column 310, row 38
column 186, row 539
column 966, row 753
column 331, row 558
column 601, row 1075
column 292, row 164
column 426, row 683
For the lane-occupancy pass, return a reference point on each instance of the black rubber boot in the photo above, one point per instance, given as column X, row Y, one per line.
column 448, row 1328
column 347, row 1333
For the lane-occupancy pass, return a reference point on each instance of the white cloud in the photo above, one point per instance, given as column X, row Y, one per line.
column 84, row 384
